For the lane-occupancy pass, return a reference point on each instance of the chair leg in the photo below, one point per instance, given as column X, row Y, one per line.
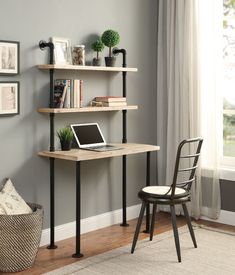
column 175, row 229
column 188, row 219
column 137, row 230
column 153, row 221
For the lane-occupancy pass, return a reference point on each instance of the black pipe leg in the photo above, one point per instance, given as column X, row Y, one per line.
column 189, row 224
column 147, row 230
column 153, row 221
column 137, row 230
column 78, row 212
column 124, row 219
column 52, row 204
column 175, row 229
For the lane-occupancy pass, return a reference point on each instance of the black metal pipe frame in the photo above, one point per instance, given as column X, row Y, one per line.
column 43, row 45
column 147, row 230
column 124, row 137
column 77, row 253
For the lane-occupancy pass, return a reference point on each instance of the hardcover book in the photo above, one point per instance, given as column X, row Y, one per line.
column 110, row 99
column 112, row 104
column 60, row 89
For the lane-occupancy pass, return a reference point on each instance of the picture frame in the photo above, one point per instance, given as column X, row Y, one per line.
column 9, row 57
column 62, row 50
column 9, row 97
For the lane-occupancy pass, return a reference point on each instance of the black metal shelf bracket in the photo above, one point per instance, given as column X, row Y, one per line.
column 116, row 52
column 43, row 45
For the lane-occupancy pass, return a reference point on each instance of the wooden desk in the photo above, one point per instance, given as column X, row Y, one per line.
column 79, row 155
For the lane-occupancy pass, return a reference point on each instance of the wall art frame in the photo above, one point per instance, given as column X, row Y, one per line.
column 9, row 98
column 9, row 57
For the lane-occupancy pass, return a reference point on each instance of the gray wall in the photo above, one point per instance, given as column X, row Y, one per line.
column 22, row 136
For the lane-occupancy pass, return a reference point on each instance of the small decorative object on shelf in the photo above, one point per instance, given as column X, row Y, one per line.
column 110, row 38
column 10, row 57
column 98, row 47
column 66, row 137
column 62, row 50
column 78, row 55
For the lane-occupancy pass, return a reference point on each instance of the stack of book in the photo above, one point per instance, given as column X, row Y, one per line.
column 68, row 93
column 110, row 101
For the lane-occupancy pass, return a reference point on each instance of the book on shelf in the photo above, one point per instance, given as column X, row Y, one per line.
column 81, row 93
column 67, row 100
column 110, row 99
column 60, row 89
column 68, row 93
column 113, row 104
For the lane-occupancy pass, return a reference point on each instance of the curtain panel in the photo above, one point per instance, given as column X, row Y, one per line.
column 180, row 93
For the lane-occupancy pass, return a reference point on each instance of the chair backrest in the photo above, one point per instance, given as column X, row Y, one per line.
column 192, row 164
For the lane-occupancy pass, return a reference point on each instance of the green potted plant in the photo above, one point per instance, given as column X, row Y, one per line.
column 98, row 47
column 66, row 137
column 110, row 38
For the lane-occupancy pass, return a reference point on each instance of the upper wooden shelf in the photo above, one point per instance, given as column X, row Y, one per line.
column 86, row 68
column 86, row 109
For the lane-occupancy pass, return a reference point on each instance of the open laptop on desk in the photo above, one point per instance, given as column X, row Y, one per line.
column 90, row 137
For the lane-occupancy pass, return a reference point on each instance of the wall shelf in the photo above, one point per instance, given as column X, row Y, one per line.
column 85, row 68
column 86, row 109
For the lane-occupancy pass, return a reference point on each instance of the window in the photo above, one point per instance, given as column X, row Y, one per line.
column 229, row 83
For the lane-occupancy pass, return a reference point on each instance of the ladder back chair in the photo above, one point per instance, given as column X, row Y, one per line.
column 177, row 193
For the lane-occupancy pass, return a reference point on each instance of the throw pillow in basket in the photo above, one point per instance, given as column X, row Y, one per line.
column 11, row 203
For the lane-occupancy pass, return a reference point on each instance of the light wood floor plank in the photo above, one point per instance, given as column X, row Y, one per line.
column 100, row 241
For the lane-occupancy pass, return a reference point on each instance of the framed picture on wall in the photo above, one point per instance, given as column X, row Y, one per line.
column 9, row 97
column 9, row 57
column 62, row 50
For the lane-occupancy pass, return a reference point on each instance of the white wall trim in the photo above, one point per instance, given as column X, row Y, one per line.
column 67, row 230
column 226, row 217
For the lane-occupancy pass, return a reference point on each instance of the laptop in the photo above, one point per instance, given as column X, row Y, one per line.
column 90, row 137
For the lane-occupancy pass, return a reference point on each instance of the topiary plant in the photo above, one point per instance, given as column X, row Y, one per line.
column 110, row 38
column 97, row 46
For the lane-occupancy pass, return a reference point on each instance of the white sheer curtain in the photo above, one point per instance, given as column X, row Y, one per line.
column 180, row 93
column 210, row 56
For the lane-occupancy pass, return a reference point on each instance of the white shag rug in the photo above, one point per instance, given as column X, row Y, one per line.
column 215, row 255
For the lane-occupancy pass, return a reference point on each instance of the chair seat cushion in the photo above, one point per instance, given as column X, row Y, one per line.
column 161, row 191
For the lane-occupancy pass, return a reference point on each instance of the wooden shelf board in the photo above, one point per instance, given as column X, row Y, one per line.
column 86, row 109
column 86, row 68
column 81, row 155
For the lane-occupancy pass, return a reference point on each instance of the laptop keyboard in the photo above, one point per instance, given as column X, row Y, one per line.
column 102, row 148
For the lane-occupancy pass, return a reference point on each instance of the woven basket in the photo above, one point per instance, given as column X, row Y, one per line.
column 19, row 239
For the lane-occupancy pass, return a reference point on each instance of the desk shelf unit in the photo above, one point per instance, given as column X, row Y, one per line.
column 52, row 154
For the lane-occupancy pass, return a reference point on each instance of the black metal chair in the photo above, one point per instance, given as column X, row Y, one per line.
column 177, row 193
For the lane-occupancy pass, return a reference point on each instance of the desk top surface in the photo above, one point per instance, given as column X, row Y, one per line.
column 81, row 155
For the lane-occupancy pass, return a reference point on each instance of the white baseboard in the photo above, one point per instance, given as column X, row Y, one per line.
column 67, row 230
column 226, row 217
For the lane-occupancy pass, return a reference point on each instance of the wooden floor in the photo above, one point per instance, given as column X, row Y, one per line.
column 100, row 241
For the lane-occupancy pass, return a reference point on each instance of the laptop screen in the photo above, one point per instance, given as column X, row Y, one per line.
column 88, row 134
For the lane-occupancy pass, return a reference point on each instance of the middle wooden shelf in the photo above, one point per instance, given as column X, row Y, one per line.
column 86, row 109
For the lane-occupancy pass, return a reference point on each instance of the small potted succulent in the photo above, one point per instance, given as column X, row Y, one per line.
column 66, row 137
column 98, row 47
column 110, row 38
